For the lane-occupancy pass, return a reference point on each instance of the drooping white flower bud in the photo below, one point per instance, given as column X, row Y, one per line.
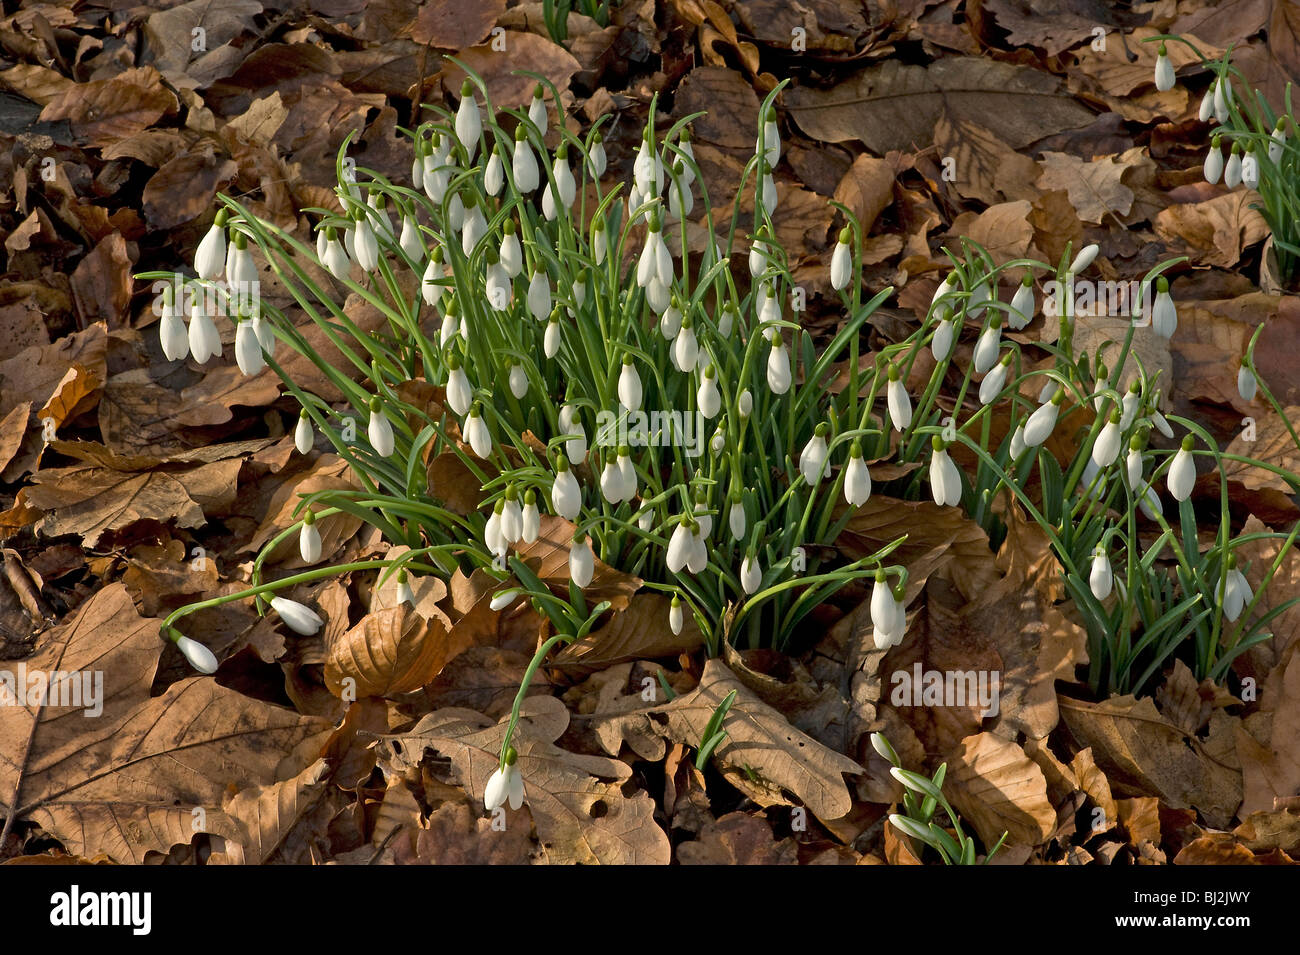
column 1247, row 384
column 365, row 243
column 494, row 175
column 596, row 160
column 1100, row 579
column 945, row 479
column 1182, row 472
column 523, row 163
column 1022, row 305
column 476, row 433
column 812, row 459
column 1232, row 171
column 779, row 377
column 898, row 401
column 309, row 542
column 1164, row 71
column 629, row 386
column 210, row 256
column 530, row 518
column 707, row 397
column 1214, row 162
column 857, row 478
column 679, row 547
column 1041, row 423
column 1164, row 314
column 1087, row 255
column 736, row 519
column 566, row 495
column 888, row 617
column 842, row 260
column 1105, row 450
column 675, row 616
column 1250, row 170
column 205, row 340
column 571, row 423
column 751, row 575
column 197, row 655
column 468, row 122
column 1222, row 99
column 304, row 438
column 1277, row 142
column 248, row 349
column 172, row 333
column 986, row 347
column 944, row 337
column 518, row 380
column 994, row 381
column 297, row 617
column 686, row 349
column 459, row 392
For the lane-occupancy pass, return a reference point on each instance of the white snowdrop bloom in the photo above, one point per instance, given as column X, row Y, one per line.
column 1105, row 450
column 686, row 349
column 430, row 289
column 681, row 201
column 455, row 212
column 1049, row 388
column 707, row 396
column 468, row 122
column 596, row 160
column 473, row 228
column 842, row 260
column 736, row 520
column 297, row 617
column 1164, row 71
column 494, row 175
column 1164, row 314
column 779, row 376
column 898, row 401
column 1093, row 481
column 539, row 295
column 512, row 517
column 994, row 381
column 658, row 296
column 980, row 296
column 518, row 380
column 769, row 310
column 751, row 574
column 417, row 162
column 1161, row 425
column 452, row 325
column 758, row 254
column 504, row 785
column 197, row 655
column 947, row 287
column 1017, row 446
column 1222, row 99
column 1232, row 171
column 719, row 439
column 944, row 338
column 684, row 144
column 309, row 542
column 1022, row 305
column 1100, row 580
column 241, row 270
column 663, row 261
column 1207, row 105
column 745, row 403
column 492, row 536
column 551, row 340
column 1236, row 592
column 365, row 243
column 571, row 423
column 888, row 616
column 405, row 594
column 629, row 386
column 530, row 518
column 459, row 391
column 698, row 557
column 727, row 320
column 679, row 547
column 812, row 459
column 647, row 263
column 1129, row 405
column 172, row 333
column 476, row 433
column 504, row 599
column 645, row 518
column 670, row 322
column 1040, row 424
column 379, row 430
column 675, row 616
column 511, row 253
column 210, row 256
column 566, row 495
column 1277, row 143
column 768, row 141
column 248, row 349
column 986, row 348
column 1087, row 255
column 523, row 164
column 945, row 479
column 1182, row 472
column 410, row 242
column 1213, row 162
column 611, row 482
column 627, row 473
column 1250, row 170
column 1133, row 464
column 304, row 437
column 380, row 220
column 769, row 194
column 336, row 259
column 498, row 287
column 549, row 209
column 702, row 516
column 1247, row 384
column 537, row 111
column 1150, row 502
column 205, row 340
column 648, row 169
column 857, row 478
column 579, row 289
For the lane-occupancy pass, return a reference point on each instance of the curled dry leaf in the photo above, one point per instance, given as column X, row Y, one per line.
column 738, row 838
column 391, row 652
column 997, row 788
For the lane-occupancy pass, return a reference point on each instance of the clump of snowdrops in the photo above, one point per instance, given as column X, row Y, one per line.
column 1260, row 143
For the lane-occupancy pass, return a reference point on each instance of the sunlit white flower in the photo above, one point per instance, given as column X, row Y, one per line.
column 888, row 616
column 898, row 401
column 994, row 381
column 197, row 655
column 945, row 479
column 1277, row 142
column 745, row 403
column 336, row 258
column 297, row 617
column 476, row 433
column 1236, row 592
column 736, row 520
column 304, row 438
column 1182, row 472
column 1100, row 579
column 365, row 243
column 1214, row 162
column 944, row 337
column 248, row 349
column 1164, row 314
column 494, row 175
column 405, row 594
column 812, row 459
column 596, row 161
column 205, row 340
column 379, row 430
column 842, row 260
column 473, row 228
column 1105, row 450
column 629, row 386
column 707, row 396
column 1222, row 99
column 1232, row 171
column 468, row 122
column 779, row 377
column 504, row 785
column 675, row 616
column 210, row 256
column 430, row 290
column 751, row 575
column 1247, row 384
column 1043, row 420
column 530, row 518
column 459, row 391
column 857, row 478
column 309, row 543
column 1250, row 170
column 1207, row 105
column 512, row 516
column 493, row 536
column 1022, row 305
column 566, row 495
column 523, row 163
column 172, row 333
column 686, row 349
column 986, row 347
column 1164, row 71
column 679, row 548
column 1087, row 255
column 571, row 423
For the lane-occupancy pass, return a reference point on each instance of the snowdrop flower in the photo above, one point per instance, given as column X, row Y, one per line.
column 680, row 545
column 380, row 431
column 405, row 595
column 1214, row 162
column 675, row 616
column 1105, row 450
column 566, row 495
column 888, row 617
column 1246, row 383
column 511, row 254
column 812, row 459
column 1236, row 592
column 455, row 212
column 647, row 265
column 779, row 377
column 468, row 122
column 512, row 516
column 241, row 270
column 524, row 163
column 210, row 256
column 645, row 518
column 494, row 176
column 1101, row 578
column 297, row 617
column 539, row 294
column 1232, row 171
column 596, row 161
column 629, row 386
column 707, row 397
column 1207, row 105
column 1164, row 314
column 437, row 172
column 504, row 784
column 684, row 144
column 205, row 340
column 1022, row 304
column 309, row 543
column 980, row 296
column 670, row 322
column 504, row 598
column 537, row 110
column 336, row 259
column 1157, row 419
column 1182, row 472
column 1087, row 255
column 1277, row 142
column 947, row 287
column 751, row 575
column 571, row 423
column 945, row 479
column 365, row 243
column 698, row 557
column 473, row 228
column 736, row 520
column 492, row 535
column 986, row 348
column 1222, row 99
column 994, row 381
column 383, row 222
column 1250, row 170
column 196, row 654
column 745, row 403
column 248, row 349
column 727, row 320
column 680, row 198
column 769, row 310
column 1133, row 461
column 518, row 380
column 769, row 140
column 430, row 290
column 420, row 150
column 758, row 253
column 857, row 479
column 1017, row 446
column 1040, row 424
column 497, row 286
column 842, row 260
column 476, row 432
column 627, row 472
column 530, row 519
column 648, row 169
column 944, row 336
column 769, row 197
column 548, row 203
column 611, row 481
column 898, row 401
column 551, row 340
column 304, row 438
column 1129, row 405
column 410, row 241
column 1164, row 71
column 172, row 333
column 459, row 392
